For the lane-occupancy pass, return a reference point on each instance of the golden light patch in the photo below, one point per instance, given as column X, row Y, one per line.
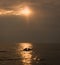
column 20, row 11
column 25, row 11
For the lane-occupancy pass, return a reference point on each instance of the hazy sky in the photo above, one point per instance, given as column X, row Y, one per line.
column 43, row 26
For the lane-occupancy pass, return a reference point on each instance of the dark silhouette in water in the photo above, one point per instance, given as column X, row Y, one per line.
column 27, row 49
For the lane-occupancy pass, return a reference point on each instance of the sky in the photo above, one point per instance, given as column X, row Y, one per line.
column 43, row 25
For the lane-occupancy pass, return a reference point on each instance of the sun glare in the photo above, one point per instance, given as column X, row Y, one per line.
column 25, row 11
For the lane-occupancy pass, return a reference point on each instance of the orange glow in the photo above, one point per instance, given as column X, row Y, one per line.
column 6, row 12
column 25, row 11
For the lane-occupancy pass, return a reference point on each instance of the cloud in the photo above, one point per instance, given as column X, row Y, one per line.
column 7, row 3
column 48, row 6
column 43, row 8
column 49, row 3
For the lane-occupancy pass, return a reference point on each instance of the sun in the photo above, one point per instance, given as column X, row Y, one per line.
column 25, row 11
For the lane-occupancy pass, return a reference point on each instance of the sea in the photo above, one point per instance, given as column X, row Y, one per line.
column 29, row 53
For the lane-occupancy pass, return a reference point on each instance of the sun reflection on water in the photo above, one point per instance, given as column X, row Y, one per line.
column 26, row 55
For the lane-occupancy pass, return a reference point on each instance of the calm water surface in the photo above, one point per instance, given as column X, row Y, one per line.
column 29, row 54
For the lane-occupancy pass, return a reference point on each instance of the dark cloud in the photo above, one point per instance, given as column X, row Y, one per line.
column 40, row 3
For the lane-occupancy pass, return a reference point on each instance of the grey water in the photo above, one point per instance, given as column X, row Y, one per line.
column 40, row 54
